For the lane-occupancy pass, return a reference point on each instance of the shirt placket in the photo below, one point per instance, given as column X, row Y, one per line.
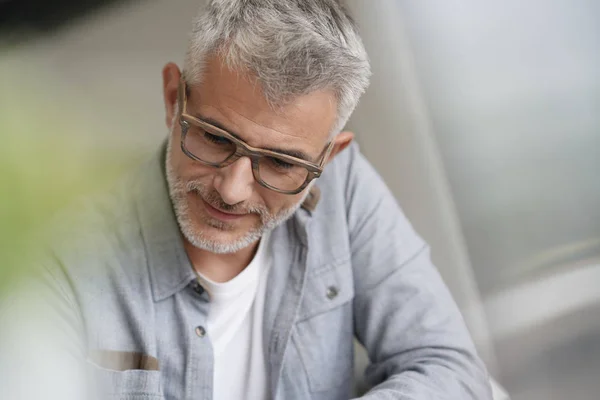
column 285, row 293
column 200, row 360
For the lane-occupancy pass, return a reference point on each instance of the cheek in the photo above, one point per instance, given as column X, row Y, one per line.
column 193, row 171
column 186, row 168
column 277, row 202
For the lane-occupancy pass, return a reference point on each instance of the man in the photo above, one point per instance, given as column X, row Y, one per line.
column 243, row 259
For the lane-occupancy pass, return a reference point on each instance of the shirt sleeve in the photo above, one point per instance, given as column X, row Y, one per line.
column 418, row 344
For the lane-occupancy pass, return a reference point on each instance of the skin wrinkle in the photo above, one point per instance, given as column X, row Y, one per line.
column 292, row 152
column 226, row 108
column 298, row 136
column 315, row 148
column 280, row 133
column 236, row 131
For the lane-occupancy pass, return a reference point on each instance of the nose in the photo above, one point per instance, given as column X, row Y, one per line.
column 234, row 182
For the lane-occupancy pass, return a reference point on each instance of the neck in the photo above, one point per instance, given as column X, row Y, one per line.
column 220, row 267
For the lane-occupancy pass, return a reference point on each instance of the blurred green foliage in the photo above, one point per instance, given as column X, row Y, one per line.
column 48, row 156
column 49, row 153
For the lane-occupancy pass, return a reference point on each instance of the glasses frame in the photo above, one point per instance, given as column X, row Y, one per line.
column 242, row 149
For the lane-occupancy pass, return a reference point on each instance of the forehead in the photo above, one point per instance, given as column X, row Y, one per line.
column 238, row 104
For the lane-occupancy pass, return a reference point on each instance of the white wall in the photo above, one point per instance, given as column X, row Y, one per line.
column 395, row 132
column 505, row 96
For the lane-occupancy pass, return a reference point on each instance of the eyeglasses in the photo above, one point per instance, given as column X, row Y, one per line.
column 215, row 147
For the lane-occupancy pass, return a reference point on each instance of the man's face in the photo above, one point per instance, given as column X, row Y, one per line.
column 224, row 209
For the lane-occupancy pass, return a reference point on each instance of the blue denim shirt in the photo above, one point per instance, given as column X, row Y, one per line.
column 348, row 266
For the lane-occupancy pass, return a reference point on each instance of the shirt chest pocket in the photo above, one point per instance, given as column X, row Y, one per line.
column 323, row 334
column 124, row 383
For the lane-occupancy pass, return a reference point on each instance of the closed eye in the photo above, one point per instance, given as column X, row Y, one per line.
column 280, row 164
column 216, row 139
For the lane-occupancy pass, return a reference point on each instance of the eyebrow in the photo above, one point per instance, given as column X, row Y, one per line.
column 293, row 153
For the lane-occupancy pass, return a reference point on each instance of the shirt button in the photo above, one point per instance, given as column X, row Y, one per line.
column 332, row 292
column 200, row 331
column 197, row 288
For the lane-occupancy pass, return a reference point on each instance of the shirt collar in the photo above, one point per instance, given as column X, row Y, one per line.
column 168, row 263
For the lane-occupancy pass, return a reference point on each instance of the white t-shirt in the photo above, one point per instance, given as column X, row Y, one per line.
column 235, row 328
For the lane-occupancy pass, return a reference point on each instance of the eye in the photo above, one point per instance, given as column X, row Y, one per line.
column 280, row 164
column 216, row 139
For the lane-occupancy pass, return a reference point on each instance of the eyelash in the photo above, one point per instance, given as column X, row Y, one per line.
column 224, row 141
column 216, row 139
column 280, row 163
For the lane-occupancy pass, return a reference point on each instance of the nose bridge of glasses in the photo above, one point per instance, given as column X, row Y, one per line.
column 245, row 150
column 241, row 152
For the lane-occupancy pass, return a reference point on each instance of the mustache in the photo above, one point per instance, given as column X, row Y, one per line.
column 213, row 198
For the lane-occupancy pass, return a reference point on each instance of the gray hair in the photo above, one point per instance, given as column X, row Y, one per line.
column 292, row 47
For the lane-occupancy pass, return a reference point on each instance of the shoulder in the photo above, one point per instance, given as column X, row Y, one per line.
column 85, row 245
column 95, row 222
column 351, row 186
column 351, row 192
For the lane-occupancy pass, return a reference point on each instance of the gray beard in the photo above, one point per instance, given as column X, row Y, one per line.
column 178, row 191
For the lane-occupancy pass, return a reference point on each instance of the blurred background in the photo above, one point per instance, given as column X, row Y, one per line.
column 483, row 117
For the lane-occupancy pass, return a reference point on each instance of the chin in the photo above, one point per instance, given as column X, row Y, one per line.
column 217, row 240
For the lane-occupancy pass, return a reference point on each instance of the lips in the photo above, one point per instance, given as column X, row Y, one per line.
column 221, row 215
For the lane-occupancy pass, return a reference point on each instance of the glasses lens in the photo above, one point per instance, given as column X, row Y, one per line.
column 280, row 174
column 208, row 147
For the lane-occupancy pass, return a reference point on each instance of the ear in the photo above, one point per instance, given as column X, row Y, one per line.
column 171, row 76
column 340, row 142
